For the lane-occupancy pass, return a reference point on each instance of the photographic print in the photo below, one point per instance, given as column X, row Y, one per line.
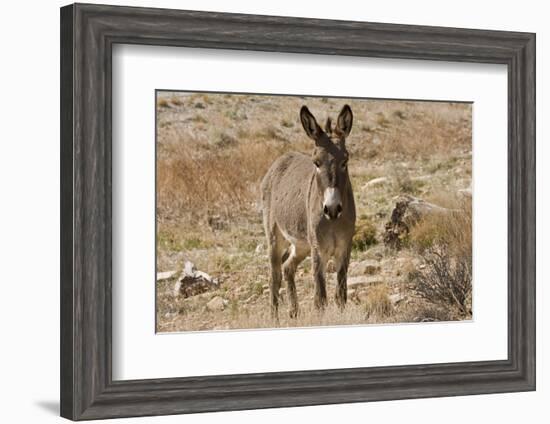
column 276, row 211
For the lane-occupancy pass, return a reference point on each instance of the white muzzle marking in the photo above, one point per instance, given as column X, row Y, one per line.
column 332, row 203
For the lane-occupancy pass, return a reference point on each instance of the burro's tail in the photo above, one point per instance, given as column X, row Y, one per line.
column 285, row 256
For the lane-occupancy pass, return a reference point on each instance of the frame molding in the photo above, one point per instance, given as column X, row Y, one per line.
column 88, row 33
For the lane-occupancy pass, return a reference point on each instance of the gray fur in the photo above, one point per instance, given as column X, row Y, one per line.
column 302, row 218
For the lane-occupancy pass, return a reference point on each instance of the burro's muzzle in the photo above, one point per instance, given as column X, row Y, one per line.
column 332, row 203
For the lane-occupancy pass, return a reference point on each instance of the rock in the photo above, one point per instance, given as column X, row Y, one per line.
column 192, row 282
column 407, row 212
column 362, row 296
column 399, row 266
column 466, row 192
column 177, row 288
column 259, row 248
column 216, row 304
column 203, row 275
column 376, row 181
column 421, row 178
column 376, row 252
column 402, row 261
column 366, row 267
column 189, row 268
column 358, row 281
column 166, row 275
column 396, row 298
column 381, row 213
column 250, row 299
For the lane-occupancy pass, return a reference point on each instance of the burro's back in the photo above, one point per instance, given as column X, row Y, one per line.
column 308, row 210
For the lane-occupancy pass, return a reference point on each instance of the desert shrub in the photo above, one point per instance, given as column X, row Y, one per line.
column 163, row 103
column 287, row 123
column 365, row 235
column 270, row 132
column 404, row 184
column 256, row 289
column 236, row 115
column 445, row 280
column 381, row 120
column 176, row 101
column 169, row 241
column 444, row 243
column 400, row 114
column 194, row 243
column 225, row 140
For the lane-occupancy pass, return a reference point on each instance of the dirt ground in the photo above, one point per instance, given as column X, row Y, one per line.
column 212, row 152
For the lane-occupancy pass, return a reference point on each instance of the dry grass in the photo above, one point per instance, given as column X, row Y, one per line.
column 218, row 182
column 377, row 303
column 213, row 150
column 375, row 308
column 452, row 230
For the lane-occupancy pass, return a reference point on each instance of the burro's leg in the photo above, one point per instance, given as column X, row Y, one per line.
column 342, row 263
column 275, row 253
column 289, row 269
column 318, row 267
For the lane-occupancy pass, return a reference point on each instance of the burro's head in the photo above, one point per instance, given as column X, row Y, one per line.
column 330, row 158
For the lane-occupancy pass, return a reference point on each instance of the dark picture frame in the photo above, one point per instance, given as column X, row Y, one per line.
column 88, row 33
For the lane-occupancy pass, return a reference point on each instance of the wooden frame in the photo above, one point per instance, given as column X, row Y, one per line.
column 88, row 33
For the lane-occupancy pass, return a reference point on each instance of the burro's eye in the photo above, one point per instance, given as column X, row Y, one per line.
column 317, row 163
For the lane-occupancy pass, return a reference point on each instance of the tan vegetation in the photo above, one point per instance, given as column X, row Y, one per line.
column 446, row 249
column 446, row 229
column 213, row 150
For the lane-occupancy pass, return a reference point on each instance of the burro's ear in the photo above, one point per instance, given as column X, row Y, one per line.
column 345, row 121
column 312, row 129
